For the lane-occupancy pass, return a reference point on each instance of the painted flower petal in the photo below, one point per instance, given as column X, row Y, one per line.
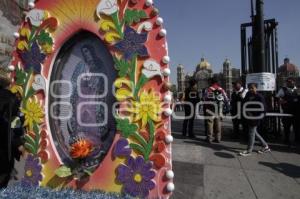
column 122, row 148
column 123, row 172
column 142, row 51
column 36, row 17
column 107, row 7
column 39, row 83
column 151, row 68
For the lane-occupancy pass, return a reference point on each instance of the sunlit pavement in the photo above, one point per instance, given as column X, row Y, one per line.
column 211, row 171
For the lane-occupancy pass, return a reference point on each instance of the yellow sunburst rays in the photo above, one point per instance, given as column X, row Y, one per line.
column 72, row 13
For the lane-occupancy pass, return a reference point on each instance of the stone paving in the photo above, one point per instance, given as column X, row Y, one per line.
column 214, row 171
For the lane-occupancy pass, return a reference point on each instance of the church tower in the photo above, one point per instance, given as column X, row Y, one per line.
column 227, row 74
column 180, row 78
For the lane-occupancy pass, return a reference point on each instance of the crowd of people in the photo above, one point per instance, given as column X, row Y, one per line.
column 246, row 107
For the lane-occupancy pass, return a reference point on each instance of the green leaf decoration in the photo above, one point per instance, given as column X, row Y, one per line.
column 139, row 149
column 122, row 66
column 134, row 16
column 20, row 77
column 149, row 147
column 44, row 38
column 29, row 140
column 36, row 128
column 30, row 148
column 88, row 172
column 29, row 94
column 63, row 172
column 127, row 129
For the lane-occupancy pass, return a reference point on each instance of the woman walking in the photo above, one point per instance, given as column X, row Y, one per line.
column 256, row 102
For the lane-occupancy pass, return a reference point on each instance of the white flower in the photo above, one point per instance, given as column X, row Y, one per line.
column 145, row 26
column 36, row 17
column 151, row 68
column 107, row 7
column 39, row 83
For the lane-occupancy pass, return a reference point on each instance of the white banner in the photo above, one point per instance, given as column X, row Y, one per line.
column 264, row 81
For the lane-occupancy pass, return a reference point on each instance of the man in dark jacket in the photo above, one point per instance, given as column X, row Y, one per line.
column 288, row 98
column 10, row 145
column 191, row 96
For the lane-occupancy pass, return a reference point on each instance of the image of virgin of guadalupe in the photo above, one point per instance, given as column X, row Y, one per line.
column 88, row 119
column 86, row 68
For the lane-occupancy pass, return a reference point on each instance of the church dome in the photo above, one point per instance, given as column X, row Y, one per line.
column 180, row 66
column 288, row 67
column 203, row 65
column 227, row 62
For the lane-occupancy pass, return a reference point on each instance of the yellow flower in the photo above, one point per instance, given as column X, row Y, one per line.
column 22, row 45
column 124, row 89
column 25, row 32
column 16, row 89
column 148, row 107
column 33, row 113
column 47, row 48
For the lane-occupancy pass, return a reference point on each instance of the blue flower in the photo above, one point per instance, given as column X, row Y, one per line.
column 136, row 177
column 133, row 43
column 33, row 172
column 33, row 58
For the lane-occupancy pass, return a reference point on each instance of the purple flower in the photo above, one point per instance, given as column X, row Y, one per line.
column 33, row 58
column 133, row 43
column 122, row 148
column 136, row 177
column 33, row 169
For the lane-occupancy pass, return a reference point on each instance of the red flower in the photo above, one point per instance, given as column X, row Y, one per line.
column 81, row 149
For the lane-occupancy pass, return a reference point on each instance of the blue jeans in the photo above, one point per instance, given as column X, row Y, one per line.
column 252, row 134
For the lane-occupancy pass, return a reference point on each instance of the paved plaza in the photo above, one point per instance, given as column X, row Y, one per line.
column 214, row 171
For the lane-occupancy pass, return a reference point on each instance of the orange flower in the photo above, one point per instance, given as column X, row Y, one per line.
column 81, row 149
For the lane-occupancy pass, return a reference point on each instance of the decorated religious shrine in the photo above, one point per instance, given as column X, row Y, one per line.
column 93, row 76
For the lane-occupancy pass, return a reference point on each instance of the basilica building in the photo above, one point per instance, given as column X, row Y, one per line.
column 203, row 72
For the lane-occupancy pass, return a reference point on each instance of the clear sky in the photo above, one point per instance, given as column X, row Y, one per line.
column 211, row 28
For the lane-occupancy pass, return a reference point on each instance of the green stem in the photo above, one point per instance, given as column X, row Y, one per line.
column 143, row 79
column 151, row 140
column 133, row 69
column 32, row 36
column 25, row 88
column 139, row 138
column 138, row 148
column 116, row 21
column 37, row 137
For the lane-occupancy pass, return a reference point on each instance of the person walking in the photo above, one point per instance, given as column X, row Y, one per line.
column 11, row 145
column 191, row 96
column 215, row 99
column 288, row 99
column 237, row 98
column 255, row 101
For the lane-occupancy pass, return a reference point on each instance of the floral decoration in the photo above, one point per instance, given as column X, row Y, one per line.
column 33, row 168
column 122, row 148
column 33, row 58
column 81, row 148
column 33, row 113
column 140, row 110
column 148, row 107
column 136, row 176
column 133, row 43
column 107, row 7
column 33, row 47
